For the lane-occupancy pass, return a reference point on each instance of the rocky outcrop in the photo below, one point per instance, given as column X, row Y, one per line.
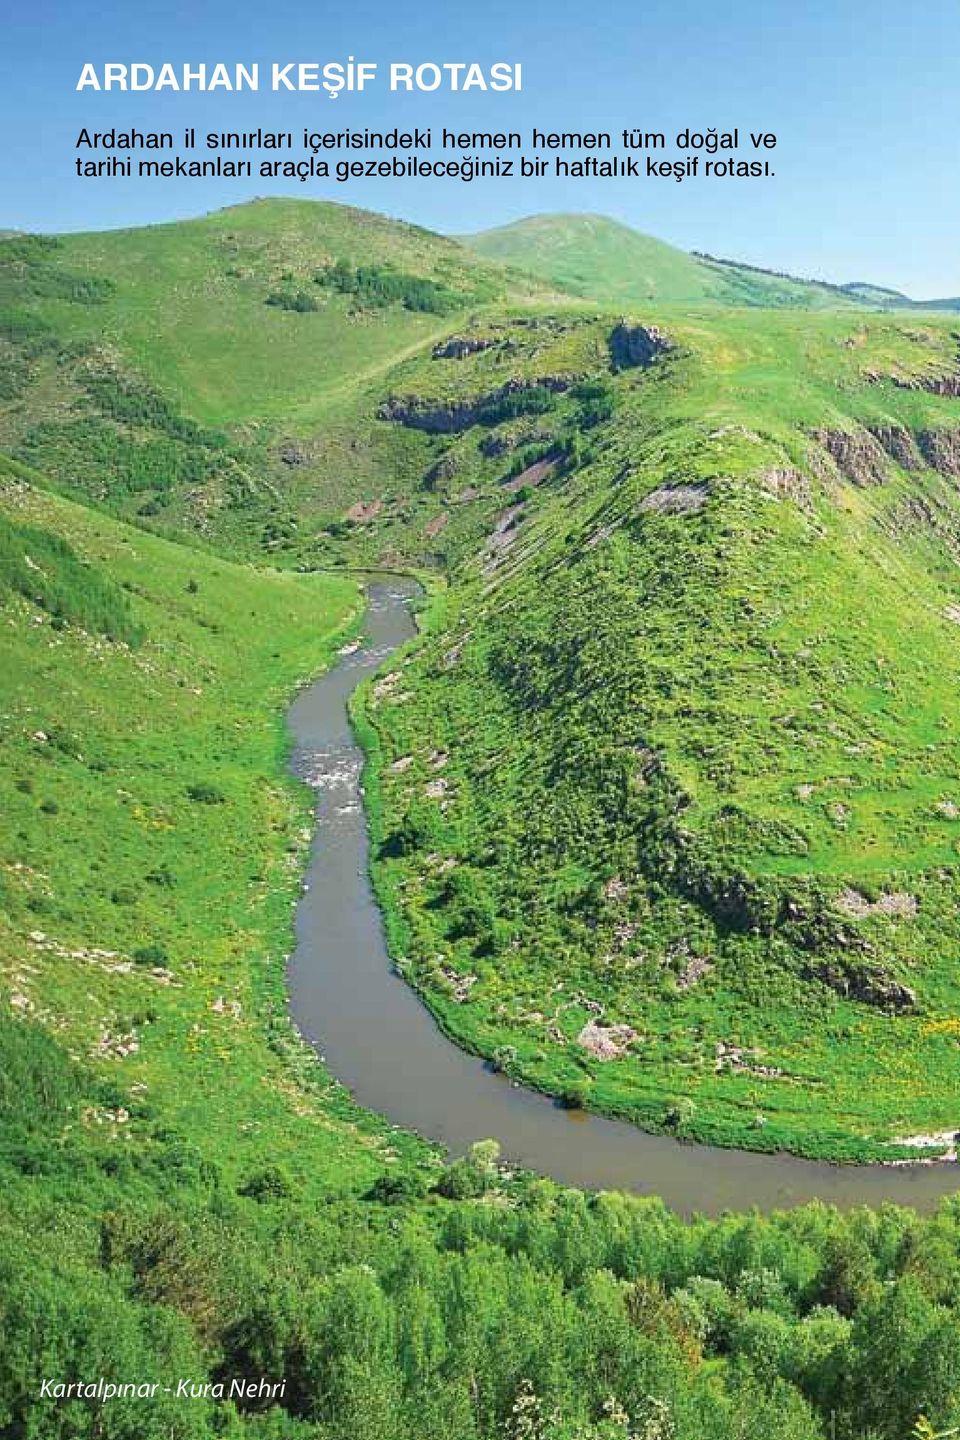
column 870, row 984
column 946, row 385
column 899, row 904
column 637, row 345
column 606, row 1042
column 675, row 499
column 784, row 482
column 443, row 469
column 436, row 417
column 291, row 452
column 534, row 474
column 899, row 444
column 940, row 449
column 449, row 417
column 862, row 456
column 493, row 446
column 856, row 454
column 363, row 511
column 458, row 347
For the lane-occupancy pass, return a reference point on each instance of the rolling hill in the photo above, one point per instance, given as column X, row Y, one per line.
column 603, row 260
column 598, row 258
column 610, row 263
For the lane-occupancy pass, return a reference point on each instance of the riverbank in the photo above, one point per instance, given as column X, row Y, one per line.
column 382, row 1042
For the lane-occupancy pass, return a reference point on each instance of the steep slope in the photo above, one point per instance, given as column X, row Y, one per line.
column 222, row 375
column 670, row 798
column 672, row 770
column 695, row 502
column 188, row 1196
column 149, row 833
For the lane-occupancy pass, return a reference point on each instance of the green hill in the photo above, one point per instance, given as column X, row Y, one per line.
column 687, row 785
column 599, row 259
column 603, row 260
column 663, row 816
column 171, row 371
column 612, row 264
column 187, row 302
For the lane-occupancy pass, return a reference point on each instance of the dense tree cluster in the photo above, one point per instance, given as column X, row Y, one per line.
column 473, row 1306
column 380, row 285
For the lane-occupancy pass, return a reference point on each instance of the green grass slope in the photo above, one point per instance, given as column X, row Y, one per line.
column 187, row 1199
column 597, row 258
column 151, row 840
column 185, row 303
column 673, row 836
column 682, row 754
column 610, row 263
column 222, row 375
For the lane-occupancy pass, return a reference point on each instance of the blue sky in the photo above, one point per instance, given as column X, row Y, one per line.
column 863, row 96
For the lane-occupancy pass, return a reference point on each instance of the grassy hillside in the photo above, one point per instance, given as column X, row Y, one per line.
column 693, row 703
column 187, row 1196
column 664, row 816
column 222, row 375
column 612, row 264
column 515, row 447
column 151, row 841
column 186, row 303
column 597, row 258
column 753, row 507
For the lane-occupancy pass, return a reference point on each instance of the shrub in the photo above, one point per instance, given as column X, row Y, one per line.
column 273, row 1182
column 151, row 955
column 297, row 300
column 397, row 1189
column 205, row 794
column 39, row 565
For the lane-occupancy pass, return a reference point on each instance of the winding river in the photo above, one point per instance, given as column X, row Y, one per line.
column 382, row 1043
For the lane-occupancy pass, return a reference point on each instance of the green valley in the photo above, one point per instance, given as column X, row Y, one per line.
column 664, row 803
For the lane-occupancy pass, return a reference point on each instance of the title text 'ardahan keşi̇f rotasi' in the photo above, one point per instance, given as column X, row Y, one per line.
column 333, row 76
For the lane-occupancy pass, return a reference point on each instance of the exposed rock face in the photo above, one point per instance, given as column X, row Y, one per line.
column 695, row 968
column 363, row 511
column 675, row 499
column 606, row 1042
column 436, row 418
column 898, row 903
column 786, row 483
column 458, row 347
column 534, row 474
column 940, row 449
column 504, row 528
column 633, row 345
column 947, row 385
column 742, row 1062
column 439, row 417
column 442, row 469
column 870, row 984
column 856, row 455
column 899, row 444
column 438, row 523
column 493, row 446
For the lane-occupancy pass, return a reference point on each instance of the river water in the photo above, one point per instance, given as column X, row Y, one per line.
column 383, row 1044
